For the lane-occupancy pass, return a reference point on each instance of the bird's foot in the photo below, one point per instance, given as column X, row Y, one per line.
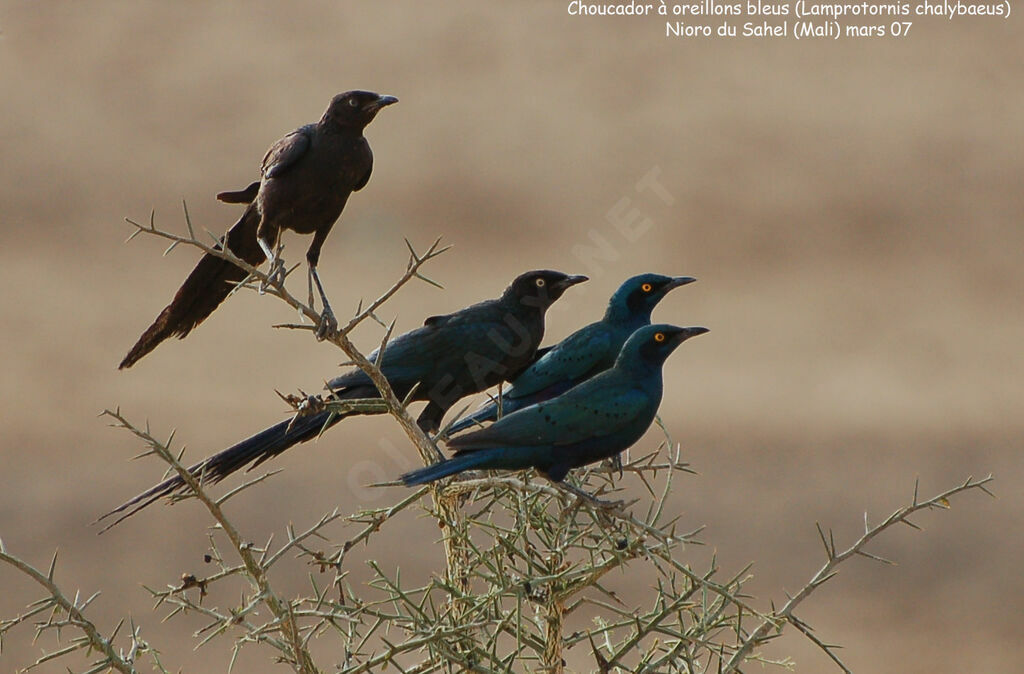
column 593, row 500
column 615, row 463
column 328, row 326
column 275, row 276
column 277, row 273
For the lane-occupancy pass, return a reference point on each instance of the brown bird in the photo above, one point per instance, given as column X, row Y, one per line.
column 306, row 178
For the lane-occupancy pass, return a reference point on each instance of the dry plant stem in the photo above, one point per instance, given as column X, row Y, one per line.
column 457, row 559
column 462, row 487
column 554, row 618
column 522, row 556
column 374, row 520
column 57, row 601
column 412, row 271
column 428, row 451
column 829, row 569
column 282, row 611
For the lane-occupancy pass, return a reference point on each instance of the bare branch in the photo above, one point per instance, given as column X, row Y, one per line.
column 834, row 559
column 58, row 604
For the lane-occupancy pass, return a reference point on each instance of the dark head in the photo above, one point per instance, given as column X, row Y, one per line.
column 540, row 288
column 652, row 344
column 637, row 296
column 355, row 109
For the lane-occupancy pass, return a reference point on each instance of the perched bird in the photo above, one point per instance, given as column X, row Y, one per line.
column 592, row 421
column 584, row 353
column 451, row 356
column 306, row 178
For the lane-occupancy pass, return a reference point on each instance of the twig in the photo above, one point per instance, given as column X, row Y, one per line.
column 281, row 610
column 833, row 560
column 91, row 640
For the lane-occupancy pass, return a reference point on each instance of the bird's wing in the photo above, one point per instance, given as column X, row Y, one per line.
column 434, row 321
column 569, row 360
column 481, row 312
column 365, row 179
column 541, row 352
column 285, row 152
column 408, row 356
column 246, row 196
column 356, row 377
column 571, row 418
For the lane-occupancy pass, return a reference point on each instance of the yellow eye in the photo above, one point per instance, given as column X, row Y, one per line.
column 659, row 337
column 540, row 283
column 647, row 287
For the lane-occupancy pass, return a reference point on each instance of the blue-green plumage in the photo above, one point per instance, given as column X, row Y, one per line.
column 584, row 353
column 449, row 357
column 592, row 421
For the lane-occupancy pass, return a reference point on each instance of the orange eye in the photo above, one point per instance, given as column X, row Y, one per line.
column 647, row 287
column 540, row 283
column 659, row 337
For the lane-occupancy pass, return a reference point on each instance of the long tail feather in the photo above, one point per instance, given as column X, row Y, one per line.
column 206, row 287
column 256, row 449
column 445, row 468
column 488, row 412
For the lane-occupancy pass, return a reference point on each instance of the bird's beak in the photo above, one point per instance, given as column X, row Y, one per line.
column 572, row 280
column 679, row 281
column 381, row 101
column 685, row 333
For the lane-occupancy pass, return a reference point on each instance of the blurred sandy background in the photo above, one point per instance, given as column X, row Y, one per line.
column 852, row 209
